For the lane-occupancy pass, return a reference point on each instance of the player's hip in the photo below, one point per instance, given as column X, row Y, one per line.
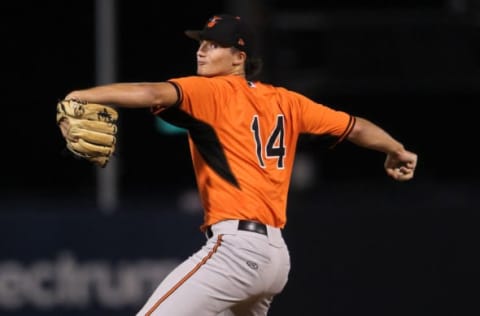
column 250, row 230
column 255, row 253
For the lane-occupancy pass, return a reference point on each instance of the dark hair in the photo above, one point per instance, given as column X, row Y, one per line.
column 253, row 67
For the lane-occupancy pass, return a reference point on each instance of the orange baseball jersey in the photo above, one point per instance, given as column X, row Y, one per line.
column 243, row 136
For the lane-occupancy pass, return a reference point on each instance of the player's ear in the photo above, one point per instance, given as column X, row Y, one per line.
column 239, row 57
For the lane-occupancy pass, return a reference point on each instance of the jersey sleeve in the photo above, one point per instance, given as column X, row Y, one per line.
column 206, row 94
column 319, row 119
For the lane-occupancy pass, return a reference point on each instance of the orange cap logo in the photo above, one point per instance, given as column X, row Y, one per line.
column 213, row 21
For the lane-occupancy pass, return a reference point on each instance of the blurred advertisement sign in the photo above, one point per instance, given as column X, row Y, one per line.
column 74, row 263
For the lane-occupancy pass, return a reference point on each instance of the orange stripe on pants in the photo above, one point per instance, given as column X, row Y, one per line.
column 186, row 277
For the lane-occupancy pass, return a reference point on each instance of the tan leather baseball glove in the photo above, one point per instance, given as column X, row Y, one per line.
column 89, row 129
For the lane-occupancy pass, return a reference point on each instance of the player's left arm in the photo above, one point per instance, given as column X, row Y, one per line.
column 400, row 163
column 130, row 95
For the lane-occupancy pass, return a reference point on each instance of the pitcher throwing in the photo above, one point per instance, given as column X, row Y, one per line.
column 243, row 135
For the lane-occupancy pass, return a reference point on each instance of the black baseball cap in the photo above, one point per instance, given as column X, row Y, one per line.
column 226, row 30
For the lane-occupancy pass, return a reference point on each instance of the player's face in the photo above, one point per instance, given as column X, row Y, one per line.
column 215, row 60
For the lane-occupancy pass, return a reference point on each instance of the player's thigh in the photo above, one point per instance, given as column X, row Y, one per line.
column 196, row 287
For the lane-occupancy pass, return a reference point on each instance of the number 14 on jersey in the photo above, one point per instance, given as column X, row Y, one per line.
column 275, row 144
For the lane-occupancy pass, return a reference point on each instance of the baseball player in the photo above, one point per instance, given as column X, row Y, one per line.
column 243, row 136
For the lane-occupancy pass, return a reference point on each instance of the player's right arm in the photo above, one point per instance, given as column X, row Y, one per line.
column 400, row 163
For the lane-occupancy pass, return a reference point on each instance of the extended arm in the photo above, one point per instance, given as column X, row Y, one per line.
column 400, row 163
column 129, row 95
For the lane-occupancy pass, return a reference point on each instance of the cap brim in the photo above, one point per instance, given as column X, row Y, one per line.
column 194, row 34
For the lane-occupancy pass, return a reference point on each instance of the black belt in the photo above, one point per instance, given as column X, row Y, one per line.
column 245, row 225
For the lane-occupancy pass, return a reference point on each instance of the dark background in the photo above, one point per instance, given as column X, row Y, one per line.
column 360, row 242
column 410, row 66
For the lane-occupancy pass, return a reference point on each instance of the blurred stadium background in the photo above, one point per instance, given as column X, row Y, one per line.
column 76, row 240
